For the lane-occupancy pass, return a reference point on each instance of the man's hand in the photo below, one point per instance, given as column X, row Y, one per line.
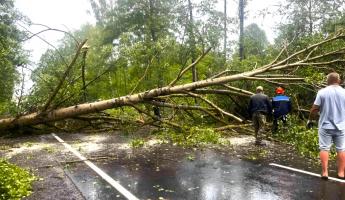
column 310, row 124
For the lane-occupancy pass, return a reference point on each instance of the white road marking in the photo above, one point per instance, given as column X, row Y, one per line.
column 305, row 172
column 105, row 176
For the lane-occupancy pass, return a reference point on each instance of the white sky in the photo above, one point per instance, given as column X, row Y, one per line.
column 67, row 15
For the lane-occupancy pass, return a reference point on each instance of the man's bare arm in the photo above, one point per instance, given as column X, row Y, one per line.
column 313, row 112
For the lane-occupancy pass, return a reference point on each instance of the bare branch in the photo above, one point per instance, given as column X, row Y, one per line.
column 57, row 51
column 223, row 72
column 62, row 80
column 332, row 53
column 187, row 107
column 50, row 29
column 175, row 106
column 216, row 107
column 274, row 79
column 144, row 75
column 222, row 92
column 189, row 67
column 223, row 128
column 156, row 118
column 282, row 51
column 336, row 37
column 238, row 89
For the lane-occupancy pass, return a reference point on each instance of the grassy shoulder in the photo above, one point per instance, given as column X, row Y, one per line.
column 15, row 182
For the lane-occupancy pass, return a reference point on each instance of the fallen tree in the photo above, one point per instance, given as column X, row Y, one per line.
column 310, row 56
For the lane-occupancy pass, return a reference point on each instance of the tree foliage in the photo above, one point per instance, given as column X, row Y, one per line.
column 306, row 17
column 11, row 53
column 140, row 45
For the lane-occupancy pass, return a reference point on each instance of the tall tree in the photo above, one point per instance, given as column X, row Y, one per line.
column 241, row 5
column 192, row 39
column 305, row 17
column 11, row 53
column 225, row 28
column 254, row 40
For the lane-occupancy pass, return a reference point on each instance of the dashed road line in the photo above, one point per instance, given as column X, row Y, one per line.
column 305, row 172
column 105, row 176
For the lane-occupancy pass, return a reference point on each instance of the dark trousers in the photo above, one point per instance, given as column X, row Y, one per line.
column 283, row 118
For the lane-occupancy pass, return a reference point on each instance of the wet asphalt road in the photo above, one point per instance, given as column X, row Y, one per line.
column 210, row 176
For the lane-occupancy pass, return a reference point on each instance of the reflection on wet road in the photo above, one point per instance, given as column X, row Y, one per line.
column 209, row 177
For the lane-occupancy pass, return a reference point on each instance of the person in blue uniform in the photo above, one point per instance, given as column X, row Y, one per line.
column 281, row 105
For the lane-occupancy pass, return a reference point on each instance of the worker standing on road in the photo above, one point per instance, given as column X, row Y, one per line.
column 330, row 102
column 281, row 105
column 259, row 107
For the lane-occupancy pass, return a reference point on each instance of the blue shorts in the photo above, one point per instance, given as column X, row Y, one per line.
column 326, row 136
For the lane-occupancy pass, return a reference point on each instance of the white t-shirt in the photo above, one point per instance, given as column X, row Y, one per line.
column 331, row 100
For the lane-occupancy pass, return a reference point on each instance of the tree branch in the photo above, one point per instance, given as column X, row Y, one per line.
column 215, row 106
column 189, row 67
column 52, row 96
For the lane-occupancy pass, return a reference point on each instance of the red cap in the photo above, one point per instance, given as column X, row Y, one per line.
column 280, row 90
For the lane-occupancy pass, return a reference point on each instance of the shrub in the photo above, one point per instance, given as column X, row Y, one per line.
column 304, row 140
column 15, row 182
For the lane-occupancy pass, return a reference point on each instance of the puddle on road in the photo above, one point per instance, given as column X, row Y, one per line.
column 209, row 176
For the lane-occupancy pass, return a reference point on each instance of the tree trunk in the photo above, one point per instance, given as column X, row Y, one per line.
column 83, row 74
column 310, row 16
column 58, row 114
column 225, row 29
column 192, row 39
column 241, row 17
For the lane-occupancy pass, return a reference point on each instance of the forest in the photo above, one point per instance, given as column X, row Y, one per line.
column 145, row 54
column 184, row 68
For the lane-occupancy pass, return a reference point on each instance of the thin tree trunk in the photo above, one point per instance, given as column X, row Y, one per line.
column 310, row 15
column 83, row 74
column 225, row 29
column 241, row 17
column 152, row 20
column 192, row 39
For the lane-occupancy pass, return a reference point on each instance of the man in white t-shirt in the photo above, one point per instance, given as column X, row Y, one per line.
column 330, row 102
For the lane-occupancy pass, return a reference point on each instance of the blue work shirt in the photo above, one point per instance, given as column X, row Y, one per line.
column 331, row 101
column 281, row 105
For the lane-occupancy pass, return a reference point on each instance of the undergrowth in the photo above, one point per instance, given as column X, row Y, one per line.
column 304, row 140
column 191, row 137
column 15, row 182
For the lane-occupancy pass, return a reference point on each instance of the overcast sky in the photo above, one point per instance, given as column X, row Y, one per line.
column 66, row 15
